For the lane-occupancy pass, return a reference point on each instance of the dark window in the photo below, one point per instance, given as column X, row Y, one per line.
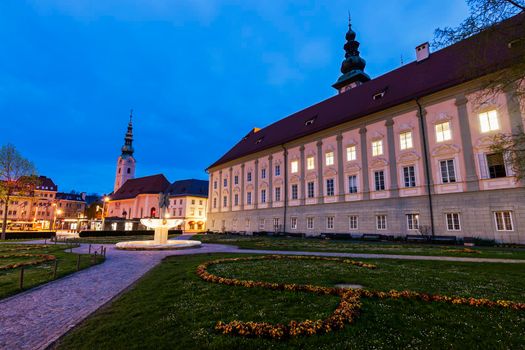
column 129, row 170
column 448, row 174
column 409, row 175
column 496, row 165
column 379, row 177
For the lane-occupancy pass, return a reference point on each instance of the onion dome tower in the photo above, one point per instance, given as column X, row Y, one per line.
column 126, row 162
column 352, row 66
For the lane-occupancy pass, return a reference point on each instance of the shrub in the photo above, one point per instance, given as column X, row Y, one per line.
column 107, row 233
column 30, row 234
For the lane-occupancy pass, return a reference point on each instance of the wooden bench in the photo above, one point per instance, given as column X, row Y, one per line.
column 417, row 238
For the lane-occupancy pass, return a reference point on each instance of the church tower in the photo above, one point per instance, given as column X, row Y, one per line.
column 353, row 65
column 126, row 162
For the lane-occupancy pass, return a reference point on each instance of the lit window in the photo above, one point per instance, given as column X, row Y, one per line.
column 310, row 163
column 329, row 158
column 413, row 221
column 295, row 166
column 128, row 226
column 293, row 223
column 448, row 174
column 351, row 153
column 489, row 121
column 405, row 140
column 377, row 148
column 330, row 187
column 453, row 223
column 409, row 175
column 330, row 222
column 311, row 191
column 381, row 222
column 503, row 220
column 353, row 222
column 443, row 132
column 310, row 223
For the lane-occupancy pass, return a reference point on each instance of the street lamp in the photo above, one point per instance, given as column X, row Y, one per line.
column 106, row 199
column 57, row 212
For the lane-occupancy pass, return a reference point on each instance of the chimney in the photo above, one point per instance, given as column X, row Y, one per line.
column 422, row 52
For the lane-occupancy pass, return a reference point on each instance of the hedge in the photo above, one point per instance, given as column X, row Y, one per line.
column 110, row 233
column 29, row 234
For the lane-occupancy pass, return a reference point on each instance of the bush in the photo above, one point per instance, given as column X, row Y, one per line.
column 107, row 233
column 29, row 234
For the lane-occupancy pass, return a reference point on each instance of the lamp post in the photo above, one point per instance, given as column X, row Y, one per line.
column 106, row 199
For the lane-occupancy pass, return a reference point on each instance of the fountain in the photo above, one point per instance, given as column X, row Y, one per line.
column 161, row 226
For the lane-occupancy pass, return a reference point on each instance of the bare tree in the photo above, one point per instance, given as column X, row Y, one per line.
column 484, row 16
column 17, row 177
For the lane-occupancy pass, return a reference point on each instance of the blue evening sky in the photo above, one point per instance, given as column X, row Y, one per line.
column 198, row 74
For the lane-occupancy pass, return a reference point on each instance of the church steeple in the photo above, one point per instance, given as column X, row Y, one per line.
column 127, row 149
column 353, row 65
column 126, row 162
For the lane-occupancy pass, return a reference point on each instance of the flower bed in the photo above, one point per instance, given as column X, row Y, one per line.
column 345, row 313
column 41, row 258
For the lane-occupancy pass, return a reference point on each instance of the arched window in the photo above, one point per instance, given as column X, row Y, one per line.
column 119, row 170
column 129, row 170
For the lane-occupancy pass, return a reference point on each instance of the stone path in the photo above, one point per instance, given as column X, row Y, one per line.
column 38, row 317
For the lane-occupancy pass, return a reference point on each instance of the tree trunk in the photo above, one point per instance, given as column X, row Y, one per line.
column 4, row 219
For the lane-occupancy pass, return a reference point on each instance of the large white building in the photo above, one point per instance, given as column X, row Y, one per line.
column 403, row 153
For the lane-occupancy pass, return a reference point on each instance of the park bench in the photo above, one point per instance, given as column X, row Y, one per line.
column 417, row 238
column 444, row 239
column 372, row 237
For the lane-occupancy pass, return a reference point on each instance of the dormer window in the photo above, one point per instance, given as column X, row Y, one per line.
column 310, row 121
column 379, row 95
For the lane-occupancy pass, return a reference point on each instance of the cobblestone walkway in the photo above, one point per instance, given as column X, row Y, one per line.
column 38, row 317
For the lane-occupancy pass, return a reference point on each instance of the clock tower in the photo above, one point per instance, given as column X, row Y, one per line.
column 126, row 162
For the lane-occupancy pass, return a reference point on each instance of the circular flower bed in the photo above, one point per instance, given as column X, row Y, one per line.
column 40, row 258
column 345, row 313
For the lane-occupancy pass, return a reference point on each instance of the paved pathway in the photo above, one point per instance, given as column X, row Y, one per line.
column 38, row 317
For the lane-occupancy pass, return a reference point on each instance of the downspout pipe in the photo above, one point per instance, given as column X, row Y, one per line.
column 285, row 206
column 427, row 164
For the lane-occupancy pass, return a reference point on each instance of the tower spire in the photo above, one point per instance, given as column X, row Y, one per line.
column 127, row 149
column 353, row 65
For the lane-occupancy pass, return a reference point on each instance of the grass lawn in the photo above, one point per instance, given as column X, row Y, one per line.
column 324, row 245
column 171, row 308
column 38, row 274
column 114, row 239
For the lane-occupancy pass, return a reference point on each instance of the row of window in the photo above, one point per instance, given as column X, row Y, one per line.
column 503, row 222
column 489, row 121
column 492, row 166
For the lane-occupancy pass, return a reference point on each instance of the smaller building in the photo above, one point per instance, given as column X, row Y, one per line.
column 188, row 201
column 139, row 198
column 72, row 211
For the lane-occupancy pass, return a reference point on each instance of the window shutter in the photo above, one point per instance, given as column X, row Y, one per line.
column 508, row 164
column 483, row 168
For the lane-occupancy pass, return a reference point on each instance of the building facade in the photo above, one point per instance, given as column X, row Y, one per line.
column 72, row 211
column 405, row 153
column 139, row 198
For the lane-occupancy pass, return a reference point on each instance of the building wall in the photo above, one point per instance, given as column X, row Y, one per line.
column 466, row 189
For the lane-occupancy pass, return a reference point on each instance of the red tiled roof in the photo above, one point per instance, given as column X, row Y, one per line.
column 142, row 185
column 464, row 61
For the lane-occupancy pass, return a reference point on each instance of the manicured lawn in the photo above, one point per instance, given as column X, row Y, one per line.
column 172, row 308
column 114, row 239
column 340, row 246
column 40, row 273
